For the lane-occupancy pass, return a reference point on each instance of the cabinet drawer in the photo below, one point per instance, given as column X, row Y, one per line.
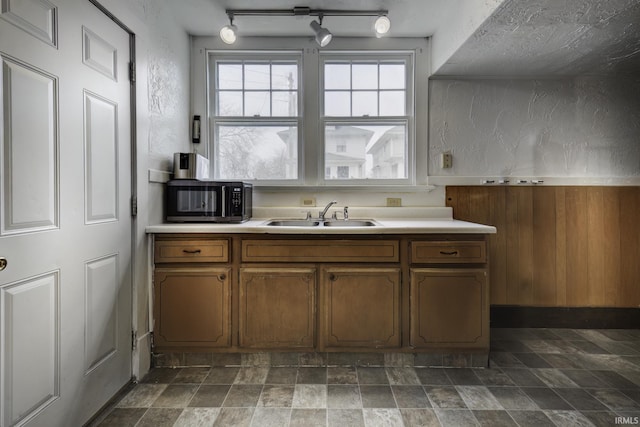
column 192, row 250
column 319, row 251
column 437, row 252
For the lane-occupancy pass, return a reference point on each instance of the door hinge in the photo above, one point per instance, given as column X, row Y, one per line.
column 132, row 72
column 134, row 205
column 134, row 340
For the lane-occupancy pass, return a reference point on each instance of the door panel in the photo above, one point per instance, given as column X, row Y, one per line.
column 65, row 142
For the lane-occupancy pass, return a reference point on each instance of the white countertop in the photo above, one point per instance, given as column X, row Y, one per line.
column 406, row 221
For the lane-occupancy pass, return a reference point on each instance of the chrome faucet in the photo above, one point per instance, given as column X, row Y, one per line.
column 326, row 208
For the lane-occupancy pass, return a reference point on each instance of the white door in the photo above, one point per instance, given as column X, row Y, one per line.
column 65, row 221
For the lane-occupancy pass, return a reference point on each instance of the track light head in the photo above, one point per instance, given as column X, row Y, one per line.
column 229, row 33
column 323, row 36
column 382, row 25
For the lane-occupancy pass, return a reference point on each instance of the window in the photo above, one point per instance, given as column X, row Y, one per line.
column 256, row 117
column 315, row 117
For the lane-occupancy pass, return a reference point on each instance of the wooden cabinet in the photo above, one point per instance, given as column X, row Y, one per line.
column 277, row 307
column 249, row 292
column 450, row 296
column 192, row 307
column 449, row 308
column 361, row 307
column 192, row 293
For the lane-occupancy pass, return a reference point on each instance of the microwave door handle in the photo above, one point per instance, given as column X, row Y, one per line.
column 224, row 201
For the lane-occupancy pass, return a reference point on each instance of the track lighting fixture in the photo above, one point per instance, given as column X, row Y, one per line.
column 323, row 36
column 229, row 33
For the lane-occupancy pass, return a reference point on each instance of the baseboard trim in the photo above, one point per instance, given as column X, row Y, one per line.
column 504, row 316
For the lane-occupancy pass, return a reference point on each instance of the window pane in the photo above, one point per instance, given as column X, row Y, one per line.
column 284, row 76
column 256, row 76
column 365, row 104
column 392, row 76
column 372, row 152
column 256, row 152
column 337, row 104
column 392, row 103
column 257, row 104
column 337, row 76
column 365, row 76
column 285, row 104
column 230, row 76
column 230, row 103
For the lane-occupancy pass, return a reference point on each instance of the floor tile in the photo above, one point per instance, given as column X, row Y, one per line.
column 342, row 375
column 408, row 396
column 478, row 397
column 432, row 376
column 601, row 418
column 456, row 417
column 210, row 396
column 532, row 360
column 343, row 397
column 160, row 376
column 308, row 418
column 277, row 396
column 463, row 376
column 197, row 417
column 310, row 396
column 512, row 398
column 402, row 376
column 615, row 400
column 191, row 375
column 523, row 377
column 377, row 396
column 252, row 375
column 123, row 417
column 282, row 376
column 372, row 376
column 494, row 418
column 531, row 419
column 546, row 398
column 568, row 419
column 345, row 417
column 142, row 396
column 175, row 396
column 312, row 376
column 420, row 417
column 221, row 376
column 580, row 399
column 236, row 417
column 584, row 378
column 243, row 396
column 553, row 378
column 271, row 417
column 444, row 397
column 159, row 417
column 378, row 417
column 493, row 377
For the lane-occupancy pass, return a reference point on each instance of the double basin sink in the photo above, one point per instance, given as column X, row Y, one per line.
column 322, row 223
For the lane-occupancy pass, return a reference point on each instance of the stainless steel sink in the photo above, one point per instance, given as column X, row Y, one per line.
column 293, row 223
column 351, row 223
column 318, row 223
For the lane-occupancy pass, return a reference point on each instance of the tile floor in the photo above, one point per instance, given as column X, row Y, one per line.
column 537, row 377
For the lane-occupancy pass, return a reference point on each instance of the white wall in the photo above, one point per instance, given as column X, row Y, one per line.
column 162, row 115
column 583, row 130
column 458, row 25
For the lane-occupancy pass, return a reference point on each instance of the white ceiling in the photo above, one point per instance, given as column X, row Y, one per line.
column 522, row 37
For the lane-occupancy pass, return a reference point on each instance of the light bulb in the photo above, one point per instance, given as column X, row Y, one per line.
column 229, row 34
column 382, row 26
column 323, row 36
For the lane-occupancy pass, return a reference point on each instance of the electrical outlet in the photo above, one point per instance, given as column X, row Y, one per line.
column 308, row 202
column 446, row 160
column 394, row 202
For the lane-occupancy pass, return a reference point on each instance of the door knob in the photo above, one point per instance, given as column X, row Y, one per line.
column 3, row 263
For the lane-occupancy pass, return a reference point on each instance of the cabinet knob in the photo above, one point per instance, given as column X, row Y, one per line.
column 3, row 263
column 223, row 276
column 332, row 277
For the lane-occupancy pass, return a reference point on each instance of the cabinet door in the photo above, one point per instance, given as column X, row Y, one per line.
column 277, row 307
column 449, row 308
column 361, row 307
column 192, row 307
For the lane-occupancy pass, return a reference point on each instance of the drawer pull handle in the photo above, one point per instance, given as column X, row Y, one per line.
column 194, row 251
column 448, row 253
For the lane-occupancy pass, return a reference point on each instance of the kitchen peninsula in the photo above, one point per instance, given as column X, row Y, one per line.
column 411, row 287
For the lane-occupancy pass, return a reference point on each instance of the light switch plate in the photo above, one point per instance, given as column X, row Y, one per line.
column 446, row 160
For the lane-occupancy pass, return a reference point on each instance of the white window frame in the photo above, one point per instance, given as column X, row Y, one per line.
column 311, row 169
column 407, row 120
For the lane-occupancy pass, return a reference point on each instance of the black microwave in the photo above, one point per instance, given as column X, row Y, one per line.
column 189, row 200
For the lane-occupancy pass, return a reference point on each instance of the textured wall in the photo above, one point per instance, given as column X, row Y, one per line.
column 585, row 127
